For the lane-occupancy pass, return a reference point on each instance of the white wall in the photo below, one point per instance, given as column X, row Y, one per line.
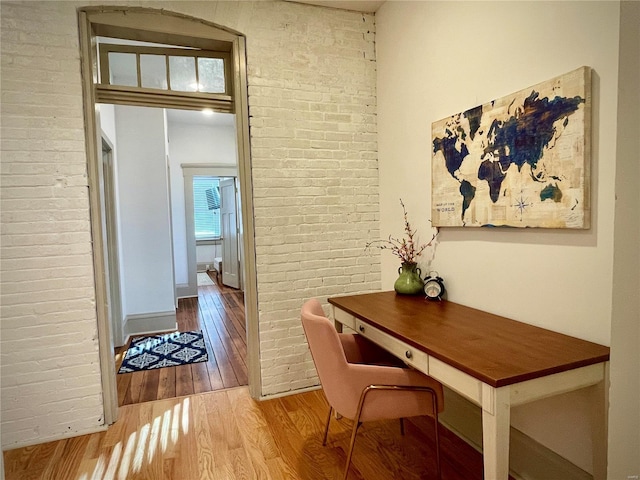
column 205, row 254
column 108, row 121
column 439, row 58
column 202, row 143
column 624, row 416
column 144, row 226
column 50, row 367
column 193, row 144
column 312, row 98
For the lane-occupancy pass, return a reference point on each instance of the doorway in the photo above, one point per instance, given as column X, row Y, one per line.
column 159, row 197
column 218, row 312
column 160, row 26
column 221, row 245
column 215, row 225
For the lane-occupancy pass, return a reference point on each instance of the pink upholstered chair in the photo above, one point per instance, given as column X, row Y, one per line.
column 363, row 382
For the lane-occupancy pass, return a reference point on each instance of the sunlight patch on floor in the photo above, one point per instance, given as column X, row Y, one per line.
column 142, row 446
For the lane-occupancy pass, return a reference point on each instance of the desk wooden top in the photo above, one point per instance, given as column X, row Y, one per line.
column 494, row 349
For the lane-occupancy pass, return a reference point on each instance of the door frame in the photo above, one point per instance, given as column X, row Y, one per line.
column 114, row 293
column 189, row 171
column 162, row 22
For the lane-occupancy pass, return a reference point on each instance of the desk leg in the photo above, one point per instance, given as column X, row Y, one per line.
column 336, row 323
column 496, row 419
column 599, row 425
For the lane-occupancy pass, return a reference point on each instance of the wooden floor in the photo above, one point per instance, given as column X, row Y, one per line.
column 227, row 435
column 224, row 434
column 219, row 313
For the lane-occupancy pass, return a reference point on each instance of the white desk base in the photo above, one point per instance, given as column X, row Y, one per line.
column 496, row 403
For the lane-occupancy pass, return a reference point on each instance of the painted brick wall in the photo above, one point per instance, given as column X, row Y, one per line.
column 314, row 151
column 50, row 369
column 311, row 75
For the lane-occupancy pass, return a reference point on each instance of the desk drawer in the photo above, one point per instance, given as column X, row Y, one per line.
column 411, row 356
column 344, row 318
column 459, row 381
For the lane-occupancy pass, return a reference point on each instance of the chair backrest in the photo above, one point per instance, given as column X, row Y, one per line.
column 343, row 381
column 328, row 355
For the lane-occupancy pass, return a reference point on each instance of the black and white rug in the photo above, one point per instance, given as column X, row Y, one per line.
column 167, row 350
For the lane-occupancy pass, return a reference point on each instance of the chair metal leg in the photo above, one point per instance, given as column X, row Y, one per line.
column 326, row 428
column 402, row 426
column 357, row 423
column 437, row 427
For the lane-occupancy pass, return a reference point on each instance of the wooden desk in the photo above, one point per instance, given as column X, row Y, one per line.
column 493, row 361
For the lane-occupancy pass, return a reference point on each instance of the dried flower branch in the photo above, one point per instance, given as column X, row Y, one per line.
column 404, row 248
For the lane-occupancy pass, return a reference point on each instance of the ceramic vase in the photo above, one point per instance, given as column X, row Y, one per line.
column 409, row 282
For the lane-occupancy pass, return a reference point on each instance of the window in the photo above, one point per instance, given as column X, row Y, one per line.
column 151, row 74
column 182, row 70
column 206, row 207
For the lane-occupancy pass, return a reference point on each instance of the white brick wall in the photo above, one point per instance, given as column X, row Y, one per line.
column 313, row 137
column 50, row 371
column 311, row 76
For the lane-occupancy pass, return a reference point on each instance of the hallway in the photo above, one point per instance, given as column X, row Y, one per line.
column 219, row 313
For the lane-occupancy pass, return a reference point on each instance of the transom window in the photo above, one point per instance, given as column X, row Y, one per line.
column 146, row 73
column 176, row 69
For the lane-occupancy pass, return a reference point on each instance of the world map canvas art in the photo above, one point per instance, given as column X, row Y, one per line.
column 519, row 161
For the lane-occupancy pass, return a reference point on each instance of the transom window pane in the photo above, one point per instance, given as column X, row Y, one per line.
column 123, row 69
column 211, row 75
column 153, row 71
column 182, row 74
column 164, row 68
column 206, row 207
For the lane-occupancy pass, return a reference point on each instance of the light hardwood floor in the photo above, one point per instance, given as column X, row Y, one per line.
column 219, row 312
column 227, row 435
column 180, row 433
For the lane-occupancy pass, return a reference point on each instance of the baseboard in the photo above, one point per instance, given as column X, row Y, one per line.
column 54, row 438
column 289, row 392
column 184, row 290
column 149, row 323
column 528, row 459
column 533, row 461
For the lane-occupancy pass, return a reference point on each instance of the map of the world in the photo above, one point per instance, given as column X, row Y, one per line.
column 520, row 161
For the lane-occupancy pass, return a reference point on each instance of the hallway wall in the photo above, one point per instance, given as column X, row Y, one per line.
column 439, row 58
column 193, row 144
column 312, row 102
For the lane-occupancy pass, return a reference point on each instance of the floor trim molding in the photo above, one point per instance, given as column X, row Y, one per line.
column 528, row 459
column 149, row 323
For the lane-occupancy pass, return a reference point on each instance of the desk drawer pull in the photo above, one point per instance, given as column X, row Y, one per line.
column 408, row 354
column 361, row 328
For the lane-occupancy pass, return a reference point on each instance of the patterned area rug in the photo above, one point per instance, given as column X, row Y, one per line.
column 168, row 350
column 204, row 279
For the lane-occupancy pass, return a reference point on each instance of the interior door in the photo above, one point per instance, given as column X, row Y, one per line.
column 229, row 227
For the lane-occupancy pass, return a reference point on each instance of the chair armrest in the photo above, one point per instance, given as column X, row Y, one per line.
column 362, row 376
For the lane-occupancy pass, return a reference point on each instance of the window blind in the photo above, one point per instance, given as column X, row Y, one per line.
column 206, row 207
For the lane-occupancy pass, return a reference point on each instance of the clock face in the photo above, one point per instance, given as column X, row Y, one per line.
column 432, row 289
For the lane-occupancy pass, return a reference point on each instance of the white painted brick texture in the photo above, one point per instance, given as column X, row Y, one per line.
column 49, row 349
column 312, row 101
